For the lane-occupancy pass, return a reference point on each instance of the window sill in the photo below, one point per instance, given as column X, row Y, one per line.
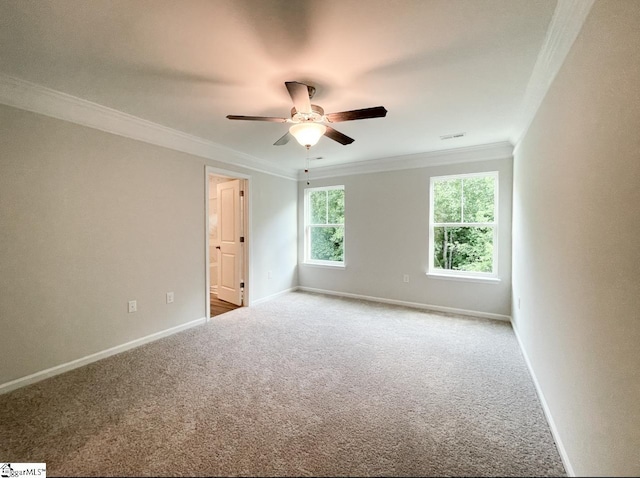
column 323, row 266
column 463, row 278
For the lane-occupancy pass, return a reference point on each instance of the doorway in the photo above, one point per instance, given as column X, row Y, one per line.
column 227, row 240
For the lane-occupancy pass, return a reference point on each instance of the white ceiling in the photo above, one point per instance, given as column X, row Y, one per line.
column 438, row 66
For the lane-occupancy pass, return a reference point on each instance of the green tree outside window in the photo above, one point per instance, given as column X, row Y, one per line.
column 325, row 224
column 463, row 223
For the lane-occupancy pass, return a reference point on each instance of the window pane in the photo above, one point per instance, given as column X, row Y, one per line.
column 318, row 203
column 336, row 206
column 447, row 200
column 463, row 248
column 479, row 199
column 327, row 244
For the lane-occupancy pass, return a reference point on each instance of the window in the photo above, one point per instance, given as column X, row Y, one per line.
column 324, row 225
column 463, row 225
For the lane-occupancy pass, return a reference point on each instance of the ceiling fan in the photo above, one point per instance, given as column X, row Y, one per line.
column 308, row 121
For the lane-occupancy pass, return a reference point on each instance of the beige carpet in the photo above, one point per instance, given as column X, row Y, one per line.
column 301, row 385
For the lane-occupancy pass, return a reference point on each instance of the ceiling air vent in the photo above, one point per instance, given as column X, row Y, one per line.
column 452, row 136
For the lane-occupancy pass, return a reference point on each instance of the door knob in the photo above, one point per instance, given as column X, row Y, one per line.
column 217, row 247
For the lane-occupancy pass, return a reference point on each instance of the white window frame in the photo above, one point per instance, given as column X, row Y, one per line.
column 308, row 226
column 465, row 275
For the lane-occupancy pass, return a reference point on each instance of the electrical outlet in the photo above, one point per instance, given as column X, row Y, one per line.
column 169, row 297
column 405, row 278
column 269, row 274
column 518, row 303
column 133, row 306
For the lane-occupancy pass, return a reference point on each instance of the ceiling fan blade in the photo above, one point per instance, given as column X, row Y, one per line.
column 365, row 113
column 338, row 136
column 257, row 118
column 299, row 93
column 283, row 140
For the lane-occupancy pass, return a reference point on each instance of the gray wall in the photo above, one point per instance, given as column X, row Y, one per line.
column 386, row 236
column 274, row 236
column 576, row 244
column 90, row 220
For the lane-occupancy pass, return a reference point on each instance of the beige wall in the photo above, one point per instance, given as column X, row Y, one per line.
column 576, row 244
column 90, row 220
column 386, row 236
column 275, row 210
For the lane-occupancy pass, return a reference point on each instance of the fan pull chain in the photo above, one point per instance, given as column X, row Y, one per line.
column 306, row 170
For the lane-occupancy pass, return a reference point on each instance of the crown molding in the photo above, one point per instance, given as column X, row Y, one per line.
column 485, row 152
column 29, row 96
column 566, row 23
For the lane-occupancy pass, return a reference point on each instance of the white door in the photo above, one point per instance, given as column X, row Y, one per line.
column 229, row 234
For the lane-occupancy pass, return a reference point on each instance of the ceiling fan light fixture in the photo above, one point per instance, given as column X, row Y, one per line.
column 308, row 119
column 307, row 134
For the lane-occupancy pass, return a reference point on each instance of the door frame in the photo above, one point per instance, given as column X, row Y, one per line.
column 246, row 254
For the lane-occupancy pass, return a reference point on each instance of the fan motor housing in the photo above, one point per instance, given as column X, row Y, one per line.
column 316, row 115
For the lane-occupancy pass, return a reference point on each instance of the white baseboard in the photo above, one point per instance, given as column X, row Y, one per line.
column 547, row 412
column 65, row 367
column 273, row 296
column 415, row 305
